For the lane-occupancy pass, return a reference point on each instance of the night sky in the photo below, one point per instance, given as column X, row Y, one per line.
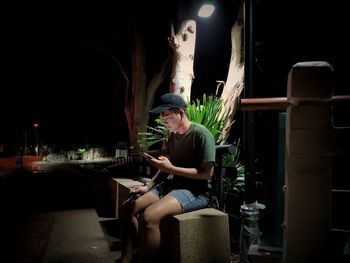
column 61, row 71
column 59, row 60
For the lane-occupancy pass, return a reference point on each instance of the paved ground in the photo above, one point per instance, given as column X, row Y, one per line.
column 79, row 236
column 62, row 236
column 55, row 215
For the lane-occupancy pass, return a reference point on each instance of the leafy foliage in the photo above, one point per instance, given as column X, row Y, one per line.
column 153, row 135
column 80, row 153
column 234, row 183
column 207, row 113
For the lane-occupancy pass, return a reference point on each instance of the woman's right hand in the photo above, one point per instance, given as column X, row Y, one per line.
column 139, row 190
column 162, row 163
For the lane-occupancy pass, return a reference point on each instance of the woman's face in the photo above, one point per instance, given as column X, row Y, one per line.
column 172, row 120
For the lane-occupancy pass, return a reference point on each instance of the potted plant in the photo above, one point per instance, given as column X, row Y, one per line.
column 80, row 153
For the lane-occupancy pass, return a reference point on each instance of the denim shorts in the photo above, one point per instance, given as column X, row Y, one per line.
column 186, row 198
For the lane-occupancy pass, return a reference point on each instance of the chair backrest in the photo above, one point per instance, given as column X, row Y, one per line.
column 217, row 183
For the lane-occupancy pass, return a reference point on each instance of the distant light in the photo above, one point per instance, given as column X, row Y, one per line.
column 206, row 10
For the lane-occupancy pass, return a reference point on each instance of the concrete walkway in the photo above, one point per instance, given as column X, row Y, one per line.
column 79, row 236
column 53, row 217
column 69, row 236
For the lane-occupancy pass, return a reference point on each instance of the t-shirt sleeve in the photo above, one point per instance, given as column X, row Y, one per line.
column 207, row 145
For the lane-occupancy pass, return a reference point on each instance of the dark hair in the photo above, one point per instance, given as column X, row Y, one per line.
column 176, row 110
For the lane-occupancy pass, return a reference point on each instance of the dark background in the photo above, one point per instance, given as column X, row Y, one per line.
column 59, row 60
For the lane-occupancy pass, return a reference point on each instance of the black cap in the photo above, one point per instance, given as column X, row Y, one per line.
column 169, row 100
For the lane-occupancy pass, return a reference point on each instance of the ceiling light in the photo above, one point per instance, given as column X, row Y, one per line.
column 206, row 10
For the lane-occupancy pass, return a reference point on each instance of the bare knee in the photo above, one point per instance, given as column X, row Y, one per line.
column 129, row 213
column 150, row 218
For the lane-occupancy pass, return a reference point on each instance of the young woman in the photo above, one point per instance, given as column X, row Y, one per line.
column 180, row 184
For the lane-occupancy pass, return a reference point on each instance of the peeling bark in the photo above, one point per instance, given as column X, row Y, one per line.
column 183, row 46
column 235, row 78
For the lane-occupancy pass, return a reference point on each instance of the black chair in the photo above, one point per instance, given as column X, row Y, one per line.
column 217, row 182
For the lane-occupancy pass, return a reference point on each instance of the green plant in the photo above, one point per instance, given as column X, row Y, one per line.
column 207, row 113
column 234, row 183
column 153, row 135
column 80, row 153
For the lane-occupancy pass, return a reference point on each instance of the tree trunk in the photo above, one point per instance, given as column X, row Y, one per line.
column 183, row 45
column 235, row 78
column 139, row 96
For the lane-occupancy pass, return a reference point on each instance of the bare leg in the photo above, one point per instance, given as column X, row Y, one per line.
column 130, row 223
column 150, row 238
column 129, row 232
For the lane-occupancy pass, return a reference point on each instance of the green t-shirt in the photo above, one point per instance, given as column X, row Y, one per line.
column 191, row 149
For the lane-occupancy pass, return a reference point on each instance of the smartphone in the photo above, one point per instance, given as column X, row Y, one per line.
column 147, row 156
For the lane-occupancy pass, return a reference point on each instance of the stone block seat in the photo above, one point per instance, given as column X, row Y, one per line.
column 199, row 236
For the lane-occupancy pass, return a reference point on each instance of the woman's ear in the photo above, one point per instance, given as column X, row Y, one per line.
column 182, row 113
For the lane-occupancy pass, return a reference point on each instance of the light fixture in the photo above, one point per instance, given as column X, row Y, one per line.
column 206, row 10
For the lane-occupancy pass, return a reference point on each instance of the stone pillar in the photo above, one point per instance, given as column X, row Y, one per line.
column 308, row 163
